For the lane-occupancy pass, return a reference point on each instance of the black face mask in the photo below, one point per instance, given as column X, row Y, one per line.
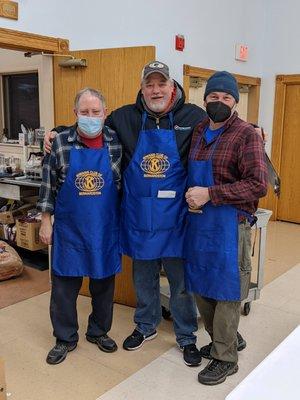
column 218, row 111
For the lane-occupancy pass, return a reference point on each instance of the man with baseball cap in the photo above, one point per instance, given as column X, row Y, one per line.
column 227, row 176
column 155, row 133
column 156, row 66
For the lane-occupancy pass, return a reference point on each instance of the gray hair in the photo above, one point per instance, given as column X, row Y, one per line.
column 91, row 92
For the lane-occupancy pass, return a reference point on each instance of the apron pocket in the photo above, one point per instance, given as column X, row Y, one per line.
column 138, row 213
column 166, row 213
column 209, row 239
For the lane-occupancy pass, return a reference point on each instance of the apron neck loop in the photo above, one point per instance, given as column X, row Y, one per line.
column 170, row 115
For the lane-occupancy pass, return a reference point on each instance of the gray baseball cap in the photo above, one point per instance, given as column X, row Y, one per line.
column 155, row 66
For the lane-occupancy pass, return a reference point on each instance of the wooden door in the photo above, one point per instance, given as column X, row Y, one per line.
column 289, row 201
column 117, row 73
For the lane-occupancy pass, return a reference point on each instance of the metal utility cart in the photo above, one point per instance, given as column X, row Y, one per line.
column 263, row 217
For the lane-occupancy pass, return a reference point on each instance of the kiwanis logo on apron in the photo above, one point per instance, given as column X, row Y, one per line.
column 155, row 165
column 89, row 183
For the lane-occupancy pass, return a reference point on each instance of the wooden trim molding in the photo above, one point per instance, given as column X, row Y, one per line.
column 17, row 40
column 278, row 120
column 206, row 73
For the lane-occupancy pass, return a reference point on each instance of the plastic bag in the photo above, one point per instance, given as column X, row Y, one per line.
column 10, row 262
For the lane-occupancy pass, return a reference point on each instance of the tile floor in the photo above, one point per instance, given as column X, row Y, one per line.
column 271, row 319
column 156, row 371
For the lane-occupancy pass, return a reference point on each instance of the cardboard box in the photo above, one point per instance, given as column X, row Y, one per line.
column 28, row 235
column 8, row 217
column 2, row 381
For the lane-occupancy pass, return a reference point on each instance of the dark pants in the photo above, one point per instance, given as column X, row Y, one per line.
column 63, row 311
column 221, row 318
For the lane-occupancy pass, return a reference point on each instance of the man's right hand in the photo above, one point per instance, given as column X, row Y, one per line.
column 49, row 136
column 46, row 229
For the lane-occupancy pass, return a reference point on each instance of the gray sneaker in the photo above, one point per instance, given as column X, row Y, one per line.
column 104, row 342
column 216, row 372
column 59, row 352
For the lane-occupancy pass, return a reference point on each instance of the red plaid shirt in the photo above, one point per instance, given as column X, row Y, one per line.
column 239, row 164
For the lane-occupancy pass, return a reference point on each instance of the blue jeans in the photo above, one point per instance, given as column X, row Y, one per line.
column 182, row 305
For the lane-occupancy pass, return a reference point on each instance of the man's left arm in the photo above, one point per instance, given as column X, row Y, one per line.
column 253, row 182
column 115, row 151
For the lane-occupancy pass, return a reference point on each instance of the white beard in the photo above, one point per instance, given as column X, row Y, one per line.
column 157, row 107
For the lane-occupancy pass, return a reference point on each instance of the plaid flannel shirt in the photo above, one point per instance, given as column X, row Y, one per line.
column 239, row 164
column 56, row 164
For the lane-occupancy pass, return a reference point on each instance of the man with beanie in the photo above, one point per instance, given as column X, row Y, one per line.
column 227, row 176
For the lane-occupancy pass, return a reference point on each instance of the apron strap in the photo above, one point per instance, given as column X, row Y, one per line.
column 250, row 217
column 197, row 144
column 144, row 118
column 214, row 146
column 171, row 120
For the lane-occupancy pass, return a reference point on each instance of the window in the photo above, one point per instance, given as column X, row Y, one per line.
column 21, row 103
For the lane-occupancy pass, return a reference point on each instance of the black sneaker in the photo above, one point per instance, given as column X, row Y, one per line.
column 191, row 355
column 104, row 342
column 205, row 350
column 216, row 372
column 136, row 340
column 59, row 352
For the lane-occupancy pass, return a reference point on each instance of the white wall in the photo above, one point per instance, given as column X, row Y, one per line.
column 211, row 28
column 269, row 27
column 14, row 61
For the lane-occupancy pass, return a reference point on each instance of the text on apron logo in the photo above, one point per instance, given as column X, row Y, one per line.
column 155, row 165
column 89, row 183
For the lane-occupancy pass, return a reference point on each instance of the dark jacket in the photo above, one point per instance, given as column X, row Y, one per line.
column 126, row 121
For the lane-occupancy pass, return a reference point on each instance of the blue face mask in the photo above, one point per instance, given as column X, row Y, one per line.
column 90, row 126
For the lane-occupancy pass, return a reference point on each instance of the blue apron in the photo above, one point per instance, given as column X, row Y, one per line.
column 153, row 207
column 86, row 220
column 211, row 245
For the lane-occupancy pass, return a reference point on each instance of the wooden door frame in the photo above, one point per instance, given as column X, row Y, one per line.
column 254, row 83
column 24, row 41
column 282, row 81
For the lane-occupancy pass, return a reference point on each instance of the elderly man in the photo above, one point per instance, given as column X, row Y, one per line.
column 81, row 177
column 227, row 176
column 155, row 133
